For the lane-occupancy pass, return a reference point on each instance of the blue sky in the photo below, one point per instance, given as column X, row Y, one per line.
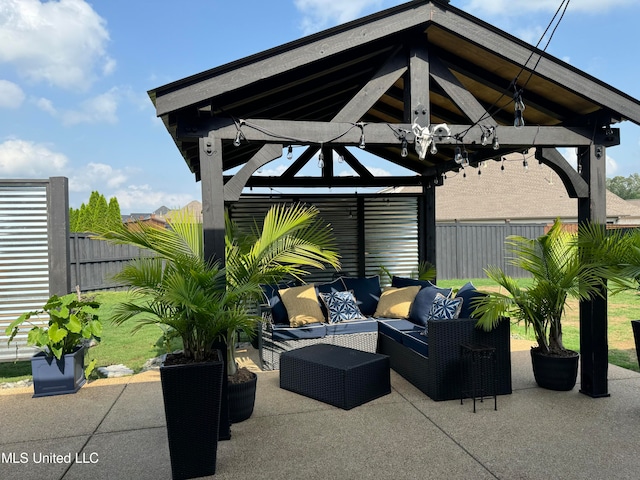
column 74, row 76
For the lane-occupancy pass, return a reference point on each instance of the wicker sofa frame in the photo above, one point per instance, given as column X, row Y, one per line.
column 437, row 375
column 270, row 349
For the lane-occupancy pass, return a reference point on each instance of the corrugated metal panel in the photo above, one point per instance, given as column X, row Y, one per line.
column 465, row 250
column 391, row 236
column 339, row 212
column 24, row 259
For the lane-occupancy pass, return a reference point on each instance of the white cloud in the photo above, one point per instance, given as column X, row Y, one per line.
column 11, row 95
column 100, row 109
column 45, row 105
column 275, row 171
column 319, row 14
column 62, row 43
column 96, row 176
column 143, row 198
column 378, row 172
column 25, row 159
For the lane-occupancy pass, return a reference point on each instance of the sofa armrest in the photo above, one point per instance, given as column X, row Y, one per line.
column 446, row 336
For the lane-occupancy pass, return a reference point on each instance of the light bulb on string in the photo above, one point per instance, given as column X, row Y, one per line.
column 321, row 159
column 457, row 157
column 290, row 153
column 465, row 157
column 238, row 140
column 405, row 150
column 484, row 138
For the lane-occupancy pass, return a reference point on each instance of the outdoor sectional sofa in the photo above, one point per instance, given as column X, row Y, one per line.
column 429, row 359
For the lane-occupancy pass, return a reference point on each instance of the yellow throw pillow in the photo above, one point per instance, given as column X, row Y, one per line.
column 396, row 302
column 302, row 305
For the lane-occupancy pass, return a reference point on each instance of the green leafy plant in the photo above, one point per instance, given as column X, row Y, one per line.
column 560, row 269
column 71, row 321
column 204, row 302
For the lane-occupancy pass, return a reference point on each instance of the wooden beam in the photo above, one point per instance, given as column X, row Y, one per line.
column 381, row 82
column 594, row 351
column 300, row 162
column 354, row 163
column 213, row 222
column 459, row 94
column 343, row 133
column 520, row 53
column 337, row 182
column 288, row 57
column 233, row 188
column 417, row 92
column 573, row 182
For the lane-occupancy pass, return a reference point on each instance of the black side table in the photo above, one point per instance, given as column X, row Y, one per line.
column 478, row 373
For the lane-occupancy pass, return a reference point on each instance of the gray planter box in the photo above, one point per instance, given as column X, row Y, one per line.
column 57, row 377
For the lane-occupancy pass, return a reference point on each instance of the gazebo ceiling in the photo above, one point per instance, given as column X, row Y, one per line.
column 472, row 72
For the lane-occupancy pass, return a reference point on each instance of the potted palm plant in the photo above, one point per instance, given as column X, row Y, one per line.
column 71, row 322
column 177, row 289
column 289, row 240
column 560, row 269
column 205, row 305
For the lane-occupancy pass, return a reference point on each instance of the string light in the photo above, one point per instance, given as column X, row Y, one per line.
column 321, row 158
column 290, row 153
column 502, row 165
column 238, row 139
column 405, row 150
column 495, row 144
column 457, row 157
column 362, row 145
column 518, row 120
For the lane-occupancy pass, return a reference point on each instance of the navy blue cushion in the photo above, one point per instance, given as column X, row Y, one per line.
column 352, row 326
column 310, row 330
column 468, row 292
column 367, row 292
column 400, row 282
column 279, row 313
column 394, row 328
column 329, row 287
column 421, row 305
column 416, row 342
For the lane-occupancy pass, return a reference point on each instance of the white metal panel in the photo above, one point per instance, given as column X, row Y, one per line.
column 24, row 260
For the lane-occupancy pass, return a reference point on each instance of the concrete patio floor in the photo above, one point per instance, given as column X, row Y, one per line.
column 117, row 428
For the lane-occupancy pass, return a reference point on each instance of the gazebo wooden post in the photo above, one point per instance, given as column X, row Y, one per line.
column 212, row 198
column 213, row 227
column 594, row 352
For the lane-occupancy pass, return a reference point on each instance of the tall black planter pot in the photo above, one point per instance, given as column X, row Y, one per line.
column 192, row 396
column 635, row 326
column 554, row 372
column 225, row 422
column 242, row 398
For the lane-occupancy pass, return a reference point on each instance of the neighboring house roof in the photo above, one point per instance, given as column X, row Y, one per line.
column 516, row 195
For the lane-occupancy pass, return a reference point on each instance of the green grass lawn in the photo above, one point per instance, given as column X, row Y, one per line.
column 623, row 307
column 119, row 346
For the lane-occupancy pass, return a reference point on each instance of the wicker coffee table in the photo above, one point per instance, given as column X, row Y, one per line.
column 340, row 376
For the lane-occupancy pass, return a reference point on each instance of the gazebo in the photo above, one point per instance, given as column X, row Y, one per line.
column 422, row 85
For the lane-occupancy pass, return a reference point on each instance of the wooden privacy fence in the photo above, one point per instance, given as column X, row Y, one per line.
column 464, row 250
column 95, row 262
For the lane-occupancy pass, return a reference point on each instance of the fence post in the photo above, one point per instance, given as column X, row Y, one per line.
column 59, row 249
